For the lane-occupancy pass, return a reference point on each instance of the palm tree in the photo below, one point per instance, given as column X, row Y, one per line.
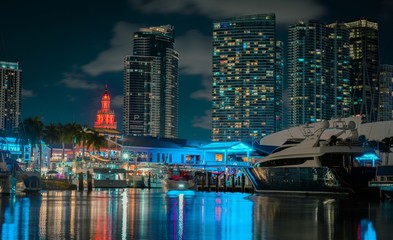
column 62, row 135
column 51, row 137
column 96, row 140
column 33, row 127
column 71, row 131
column 82, row 136
column 387, row 144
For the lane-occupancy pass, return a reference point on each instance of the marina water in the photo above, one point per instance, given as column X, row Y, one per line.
column 154, row 214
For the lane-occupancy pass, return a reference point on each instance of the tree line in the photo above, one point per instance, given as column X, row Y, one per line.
column 32, row 130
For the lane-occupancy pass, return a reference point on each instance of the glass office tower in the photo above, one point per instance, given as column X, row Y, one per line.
column 247, row 78
column 150, row 84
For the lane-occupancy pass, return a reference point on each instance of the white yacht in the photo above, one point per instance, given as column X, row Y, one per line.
column 316, row 166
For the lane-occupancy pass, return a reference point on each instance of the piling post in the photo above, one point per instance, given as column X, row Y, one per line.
column 202, row 182
column 89, row 182
column 80, row 179
column 225, row 183
column 217, row 179
column 208, row 181
column 233, row 183
column 243, row 182
column 148, row 181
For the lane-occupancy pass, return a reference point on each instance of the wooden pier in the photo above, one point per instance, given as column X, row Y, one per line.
column 223, row 183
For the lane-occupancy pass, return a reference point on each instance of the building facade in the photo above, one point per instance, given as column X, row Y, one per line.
column 105, row 118
column 364, row 53
column 386, row 92
column 150, row 84
column 10, row 96
column 247, row 78
column 318, row 72
column 338, row 71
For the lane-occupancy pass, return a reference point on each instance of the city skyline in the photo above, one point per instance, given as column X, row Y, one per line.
column 68, row 52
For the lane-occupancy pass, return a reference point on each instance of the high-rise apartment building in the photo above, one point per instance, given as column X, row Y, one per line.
column 386, row 92
column 247, row 78
column 318, row 72
column 338, row 71
column 150, row 84
column 364, row 53
column 10, row 96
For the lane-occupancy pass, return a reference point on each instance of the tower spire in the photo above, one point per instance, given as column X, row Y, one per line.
column 105, row 116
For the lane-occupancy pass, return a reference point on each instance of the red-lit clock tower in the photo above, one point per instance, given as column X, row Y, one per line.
column 105, row 117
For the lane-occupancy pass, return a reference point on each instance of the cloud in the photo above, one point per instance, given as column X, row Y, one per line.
column 117, row 101
column 27, row 93
column 204, row 122
column 76, row 81
column 111, row 60
column 287, row 11
column 196, row 59
column 71, row 98
column 195, row 53
column 205, row 92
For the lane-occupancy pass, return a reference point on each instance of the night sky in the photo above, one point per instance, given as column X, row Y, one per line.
column 69, row 49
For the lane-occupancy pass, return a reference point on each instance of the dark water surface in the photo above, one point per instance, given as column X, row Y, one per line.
column 152, row 214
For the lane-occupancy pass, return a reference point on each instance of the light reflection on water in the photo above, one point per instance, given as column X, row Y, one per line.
column 152, row 214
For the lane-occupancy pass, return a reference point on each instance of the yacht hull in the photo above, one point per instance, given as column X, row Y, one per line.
column 310, row 180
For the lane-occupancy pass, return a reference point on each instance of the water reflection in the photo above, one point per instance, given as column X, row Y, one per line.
column 151, row 214
column 366, row 230
column 318, row 218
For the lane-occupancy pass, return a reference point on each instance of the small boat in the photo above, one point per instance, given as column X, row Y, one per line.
column 13, row 179
column 7, row 180
column 28, row 182
column 179, row 179
column 110, row 177
column 316, row 166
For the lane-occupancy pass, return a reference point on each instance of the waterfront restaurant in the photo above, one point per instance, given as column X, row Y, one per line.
column 195, row 153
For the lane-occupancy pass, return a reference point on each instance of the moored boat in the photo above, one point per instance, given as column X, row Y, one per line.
column 110, row 177
column 316, row 166
column 28, row 182
column 179, row 179
column 7, row 180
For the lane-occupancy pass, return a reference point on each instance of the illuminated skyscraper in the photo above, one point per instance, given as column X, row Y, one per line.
column 105, row 117
column 364, row 52
column 338, row 71
column 386, row 92
column 10, row 95
column 318, row 72
column 150, row 84
column 247, row 78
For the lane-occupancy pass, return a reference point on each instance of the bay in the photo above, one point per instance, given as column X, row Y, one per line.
column 154, row 214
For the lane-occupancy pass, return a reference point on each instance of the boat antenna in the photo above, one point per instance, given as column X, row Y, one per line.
column 354, row 131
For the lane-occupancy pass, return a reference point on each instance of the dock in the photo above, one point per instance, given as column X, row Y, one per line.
column 223, row 183
column 383, row 181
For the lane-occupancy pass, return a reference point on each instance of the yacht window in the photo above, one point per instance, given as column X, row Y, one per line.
column 338, row 160
column 283, row 162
